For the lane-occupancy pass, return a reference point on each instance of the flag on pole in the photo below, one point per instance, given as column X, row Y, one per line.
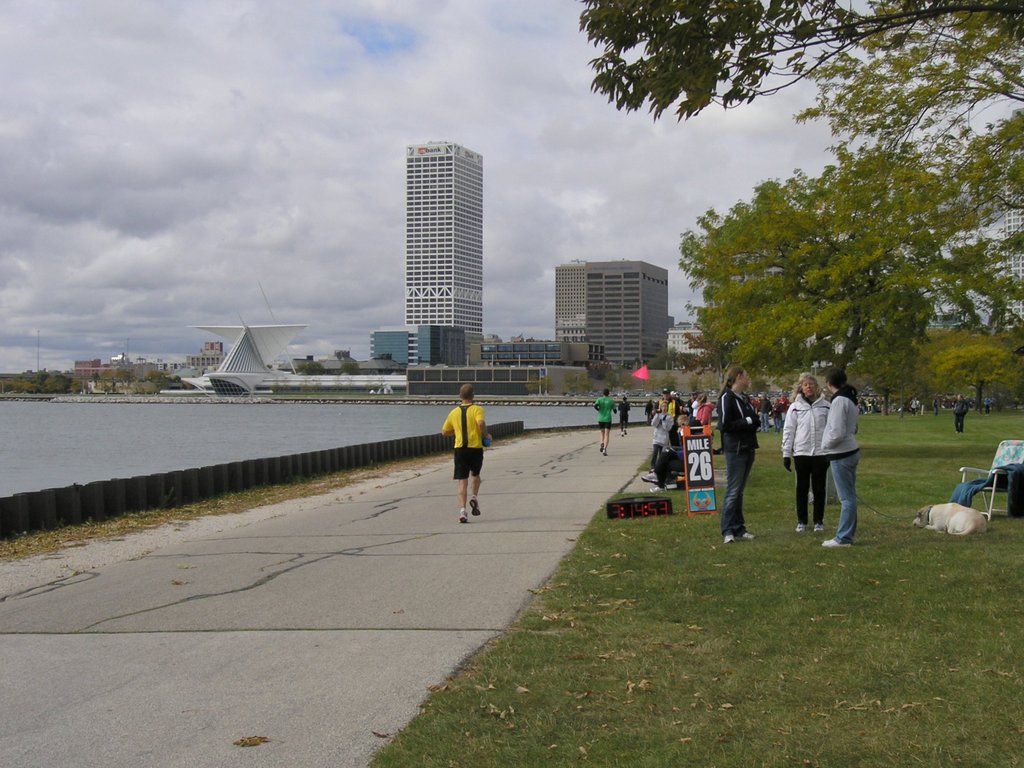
column 641, row 373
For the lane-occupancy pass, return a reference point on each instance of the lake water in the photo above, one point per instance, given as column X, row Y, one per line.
column 51, row 445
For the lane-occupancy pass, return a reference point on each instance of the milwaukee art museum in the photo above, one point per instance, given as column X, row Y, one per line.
column 246, row 371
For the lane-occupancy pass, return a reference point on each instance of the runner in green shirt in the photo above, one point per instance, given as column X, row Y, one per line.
column 605, row 407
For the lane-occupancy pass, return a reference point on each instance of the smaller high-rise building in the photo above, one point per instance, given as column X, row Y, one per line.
column 571, row 302
column 627, row 309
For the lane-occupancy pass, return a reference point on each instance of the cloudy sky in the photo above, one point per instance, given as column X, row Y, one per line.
column 160, row 161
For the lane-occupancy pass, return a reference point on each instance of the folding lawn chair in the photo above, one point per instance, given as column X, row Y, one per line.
column 997, row 477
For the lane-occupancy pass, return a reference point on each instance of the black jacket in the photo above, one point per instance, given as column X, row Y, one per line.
column 733, row 412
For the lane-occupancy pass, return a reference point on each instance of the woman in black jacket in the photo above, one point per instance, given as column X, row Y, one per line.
column 738, row 423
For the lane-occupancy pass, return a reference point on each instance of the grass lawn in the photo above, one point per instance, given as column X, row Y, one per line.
column 655, row 645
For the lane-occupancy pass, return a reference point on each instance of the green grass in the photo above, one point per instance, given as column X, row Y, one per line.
column 655, row 645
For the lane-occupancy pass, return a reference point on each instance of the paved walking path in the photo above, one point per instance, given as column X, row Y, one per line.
column 316, row 624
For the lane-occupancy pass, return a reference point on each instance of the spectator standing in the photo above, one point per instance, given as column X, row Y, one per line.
column 801, row 447
column 840, row 445
column 662, row 423
column 765, row 411
column 779, row 412
column 738, row 422
column 959, row 412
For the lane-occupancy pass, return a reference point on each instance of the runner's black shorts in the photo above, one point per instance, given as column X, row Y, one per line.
column 468, row 461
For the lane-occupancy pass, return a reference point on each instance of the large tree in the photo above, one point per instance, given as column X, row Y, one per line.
column 843, row 269
column 958, row 359
column 693, row 53
column 949, row 87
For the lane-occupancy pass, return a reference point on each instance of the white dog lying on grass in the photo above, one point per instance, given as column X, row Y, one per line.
column 951, row 518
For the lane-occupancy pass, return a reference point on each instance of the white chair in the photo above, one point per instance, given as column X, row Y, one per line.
column 1008, row 452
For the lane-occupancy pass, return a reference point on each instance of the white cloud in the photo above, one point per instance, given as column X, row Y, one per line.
column 163, row 160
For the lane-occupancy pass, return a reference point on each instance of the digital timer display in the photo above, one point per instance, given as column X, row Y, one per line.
column 640, row 506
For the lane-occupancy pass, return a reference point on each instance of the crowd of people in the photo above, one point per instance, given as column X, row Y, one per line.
column 818, row 432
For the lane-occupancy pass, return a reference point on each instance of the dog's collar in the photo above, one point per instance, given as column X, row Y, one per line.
column 929, row 517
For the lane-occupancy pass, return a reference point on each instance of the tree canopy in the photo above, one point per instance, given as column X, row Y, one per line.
column 948, row 87
column 694, row 53
column 841, row 269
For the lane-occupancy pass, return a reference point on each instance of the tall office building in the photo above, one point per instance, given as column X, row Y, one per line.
column 444, row 258
column 571, row 302
column 627, row 309
column 1012, row 224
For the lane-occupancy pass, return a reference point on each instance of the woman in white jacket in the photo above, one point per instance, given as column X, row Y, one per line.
column 801, row 446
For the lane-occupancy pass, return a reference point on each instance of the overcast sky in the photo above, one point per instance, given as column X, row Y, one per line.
column 160, row 161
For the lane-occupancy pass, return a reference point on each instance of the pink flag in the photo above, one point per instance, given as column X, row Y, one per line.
column 641, row 373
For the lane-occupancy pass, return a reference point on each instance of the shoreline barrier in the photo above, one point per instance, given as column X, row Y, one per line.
column 101, row 500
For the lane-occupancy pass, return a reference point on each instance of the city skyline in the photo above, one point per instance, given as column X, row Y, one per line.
column 161, row 162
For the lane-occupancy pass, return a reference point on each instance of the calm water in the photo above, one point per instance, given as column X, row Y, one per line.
column 51, row 445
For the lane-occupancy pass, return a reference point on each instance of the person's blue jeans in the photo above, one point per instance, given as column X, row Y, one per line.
column 844, row 472
column 737, row 469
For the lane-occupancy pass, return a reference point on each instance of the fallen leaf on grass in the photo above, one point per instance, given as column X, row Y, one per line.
column 251, row 741
column 522, row 689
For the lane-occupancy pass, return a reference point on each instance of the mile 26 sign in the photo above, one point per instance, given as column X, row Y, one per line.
column 700, row 472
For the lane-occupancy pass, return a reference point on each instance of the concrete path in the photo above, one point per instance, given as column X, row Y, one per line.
column 319, row 624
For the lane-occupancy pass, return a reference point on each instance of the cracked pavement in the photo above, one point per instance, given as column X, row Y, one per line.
column 318, row 624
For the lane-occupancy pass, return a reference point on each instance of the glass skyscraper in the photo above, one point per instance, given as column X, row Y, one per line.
column 444, row 237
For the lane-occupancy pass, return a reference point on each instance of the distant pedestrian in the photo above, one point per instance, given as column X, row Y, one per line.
column 959, row 412
column 764, row 408
column 466, row 423
column 624, row 415
column 649, row 410
column 662, row 424
column 605, row 407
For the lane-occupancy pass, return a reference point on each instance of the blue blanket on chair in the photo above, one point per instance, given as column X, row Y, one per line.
column 1012, row 483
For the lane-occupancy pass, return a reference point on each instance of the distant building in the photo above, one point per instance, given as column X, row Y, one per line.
column 211, row 356
column 535, row 353
column 571, row 302
column 420, row 345
column 627, row 309
column 444, row 237
column 86, row 370
column 486, row 380
column 680, row 337
column 1012, row 224
column 246, row 369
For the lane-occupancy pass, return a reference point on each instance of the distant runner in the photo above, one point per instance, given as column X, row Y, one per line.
column 605, row 407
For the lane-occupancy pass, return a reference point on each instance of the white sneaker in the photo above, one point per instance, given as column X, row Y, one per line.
column 833, row 544
column 729, row 539
column 747, row 536
column 650, row 477
column 800, row 527
column 818, row 527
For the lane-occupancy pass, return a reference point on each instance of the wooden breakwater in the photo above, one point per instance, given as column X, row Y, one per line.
column 105, row 499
